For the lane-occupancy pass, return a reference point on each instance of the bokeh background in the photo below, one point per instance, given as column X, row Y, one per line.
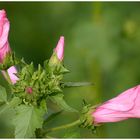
column 102, row 45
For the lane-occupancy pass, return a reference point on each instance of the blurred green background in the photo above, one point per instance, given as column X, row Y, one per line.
column 102, row 45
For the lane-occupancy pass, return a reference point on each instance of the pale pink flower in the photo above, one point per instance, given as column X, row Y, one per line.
column 60, row 48
column 11, row 72
column 4, row 31
column 122, row 107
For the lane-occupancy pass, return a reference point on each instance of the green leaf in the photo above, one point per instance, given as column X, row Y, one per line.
column 3, row 94
column 76, row 84
column 9, row 105
column 27, row 120
column 51, row 117
column 58, row 99
column 72, row 133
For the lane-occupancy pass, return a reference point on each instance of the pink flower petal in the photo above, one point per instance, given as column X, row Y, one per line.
column 122, row 102
column 122, row 107
column 4, row 32
column 12, row 71
column 60, row 48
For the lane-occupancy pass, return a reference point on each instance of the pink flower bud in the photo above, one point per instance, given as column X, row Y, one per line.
column 60, row 48
column 122, row 107
column 29, row 90
column 11, row 72
column 4, row 30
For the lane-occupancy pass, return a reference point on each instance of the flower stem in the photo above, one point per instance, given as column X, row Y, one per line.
column 63, row 126
column 7, row 77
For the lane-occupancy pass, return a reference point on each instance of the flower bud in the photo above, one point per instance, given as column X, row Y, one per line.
column 58, row 53
column 60, row 48
column 122, row 107
column 86, row 119
column 29, row 90
column 11, row 73
column 4, row 31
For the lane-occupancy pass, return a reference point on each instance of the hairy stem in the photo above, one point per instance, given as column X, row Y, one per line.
column 7, row 77
column 63, row 126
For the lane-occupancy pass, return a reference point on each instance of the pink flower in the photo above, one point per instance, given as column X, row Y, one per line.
column 122, row 107
column 4, row 30
column 4, row 46
column 11, row 73
column 60, row 48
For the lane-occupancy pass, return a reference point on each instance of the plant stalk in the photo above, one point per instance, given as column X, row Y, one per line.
column 63, row 126
column 7, row 77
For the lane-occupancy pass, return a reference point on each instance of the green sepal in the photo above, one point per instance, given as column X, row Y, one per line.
column 62, row 69
column 9, row 60
column 59, row 100
column 55, row 65
column 54, row 61
column 86, row 118
column 22, row 62
column 26, row 72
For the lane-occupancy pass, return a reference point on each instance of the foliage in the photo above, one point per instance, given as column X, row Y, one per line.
column 30, row 94
column 27, row 120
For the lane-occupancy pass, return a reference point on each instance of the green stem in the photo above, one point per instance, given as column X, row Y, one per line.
column 7, row 77
column 63, row 126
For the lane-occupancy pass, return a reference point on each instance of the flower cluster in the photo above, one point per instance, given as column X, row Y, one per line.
column 5, row 49
column 32, row 86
